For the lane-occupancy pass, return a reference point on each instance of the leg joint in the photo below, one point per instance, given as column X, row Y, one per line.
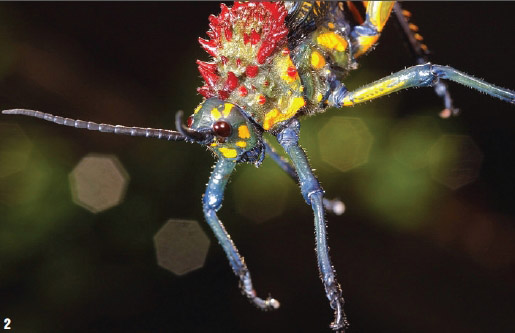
column 289, row 136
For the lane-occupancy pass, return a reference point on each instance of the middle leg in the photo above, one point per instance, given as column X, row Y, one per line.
column 334, row 206
column 313, row 194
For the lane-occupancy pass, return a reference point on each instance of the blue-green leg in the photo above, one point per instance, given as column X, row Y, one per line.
column 334, row 206
column 426, row 75
column 313, row 194
column 212, row 201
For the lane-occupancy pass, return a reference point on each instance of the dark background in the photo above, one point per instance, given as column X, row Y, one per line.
column 441, row 261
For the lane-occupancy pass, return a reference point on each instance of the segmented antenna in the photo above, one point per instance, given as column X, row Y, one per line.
column 106, row 128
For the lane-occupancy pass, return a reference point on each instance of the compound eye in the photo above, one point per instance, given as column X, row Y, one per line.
column 222, row 128
column 190, row 121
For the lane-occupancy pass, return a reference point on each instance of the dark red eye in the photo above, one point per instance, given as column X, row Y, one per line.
column 222, row 128
column 190, row 121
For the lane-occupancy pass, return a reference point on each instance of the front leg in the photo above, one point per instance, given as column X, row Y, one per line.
column 313, row 194
column 212, row 201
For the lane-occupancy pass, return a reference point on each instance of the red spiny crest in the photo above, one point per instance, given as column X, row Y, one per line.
column 242, row 38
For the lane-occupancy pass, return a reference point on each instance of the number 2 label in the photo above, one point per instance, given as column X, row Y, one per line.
column 7, row 322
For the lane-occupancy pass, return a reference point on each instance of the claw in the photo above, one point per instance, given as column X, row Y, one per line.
column 340, row 322
column 247, row 290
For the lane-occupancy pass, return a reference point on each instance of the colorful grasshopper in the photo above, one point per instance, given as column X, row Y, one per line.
column 271, row 64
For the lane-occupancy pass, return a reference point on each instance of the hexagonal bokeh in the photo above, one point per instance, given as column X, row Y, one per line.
column 412, row 138
column 181, row 246
column 455, row 160
column 15, row 149
column 345, row 142
column 98, row 182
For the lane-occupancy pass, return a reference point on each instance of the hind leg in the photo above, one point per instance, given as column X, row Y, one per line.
column 426, row 75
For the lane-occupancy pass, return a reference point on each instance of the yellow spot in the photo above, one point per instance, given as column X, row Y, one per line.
column 197, row 108
column 330, row 25
column 317, row 60
column 228, row 152
column 284, row 65
column 418, row 37
column 241, row 144
column 214, row 144
column 269, row 119
column 319, row 97
column 413, row 27
column 227, row 109
column 243, row 132
column 365, row 43
column 295, row 105
column 332, row 40
column 216, row 114
column 274, row 116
